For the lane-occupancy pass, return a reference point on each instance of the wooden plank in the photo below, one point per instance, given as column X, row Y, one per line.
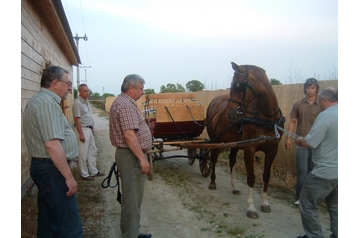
column 179, row 113
column 30, row 85
column 171, row 104
column 178, row 143
column 172, row 96
column 30, row 51
column 36, row 34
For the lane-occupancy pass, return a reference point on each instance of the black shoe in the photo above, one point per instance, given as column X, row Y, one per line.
column 98, row 174
column 143, row 235
column 305, row 236
column 89, row 178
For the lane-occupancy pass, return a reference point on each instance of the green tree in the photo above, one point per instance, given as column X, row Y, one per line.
column 194, row 86
column 107, row 95
column 149, row 91
column 172, row 88
column 75, row 93
column 94, row 96
column 275, row 82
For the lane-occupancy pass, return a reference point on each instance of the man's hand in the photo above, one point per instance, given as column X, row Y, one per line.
column 58, row 157
column 82, row 138
column 145, row 166
column 72, row 186
column 288, row 143
column 302, row 142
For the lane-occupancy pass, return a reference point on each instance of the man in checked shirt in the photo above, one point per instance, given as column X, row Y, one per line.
column 130, row 134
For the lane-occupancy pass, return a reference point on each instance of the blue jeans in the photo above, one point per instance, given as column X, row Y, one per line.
column 304, row 166
column 58, row 215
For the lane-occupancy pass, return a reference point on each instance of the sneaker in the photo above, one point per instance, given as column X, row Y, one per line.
column 98, row 174
column 297, row 202
column 88, row 178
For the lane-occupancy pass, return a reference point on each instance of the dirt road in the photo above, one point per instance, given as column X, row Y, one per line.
column 178, row 203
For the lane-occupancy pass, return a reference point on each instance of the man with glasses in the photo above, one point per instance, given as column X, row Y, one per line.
column 84, row 121
column 52, row 144
column 304, row 113
column 131, row 136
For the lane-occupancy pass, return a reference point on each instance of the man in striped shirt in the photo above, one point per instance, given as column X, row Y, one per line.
column 130, row 134
column 52, row 145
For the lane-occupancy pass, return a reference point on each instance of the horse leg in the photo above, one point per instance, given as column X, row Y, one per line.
column 249, row 164
column 269, row 157
column 213, row 157
column 232, row 158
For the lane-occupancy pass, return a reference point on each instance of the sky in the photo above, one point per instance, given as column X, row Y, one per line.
column 178, row 41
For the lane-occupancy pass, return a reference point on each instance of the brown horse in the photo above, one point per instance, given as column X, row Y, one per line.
column 248, row 112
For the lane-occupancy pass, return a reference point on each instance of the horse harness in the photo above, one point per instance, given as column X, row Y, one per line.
column 238, row 120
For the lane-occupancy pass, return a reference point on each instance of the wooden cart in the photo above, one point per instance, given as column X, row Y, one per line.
column 176, row 121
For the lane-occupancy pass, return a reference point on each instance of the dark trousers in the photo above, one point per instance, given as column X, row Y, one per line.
column 132, row 184
column 58, row 215
column 314, row 191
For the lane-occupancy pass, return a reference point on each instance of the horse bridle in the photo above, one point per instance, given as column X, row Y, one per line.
column 241, row 87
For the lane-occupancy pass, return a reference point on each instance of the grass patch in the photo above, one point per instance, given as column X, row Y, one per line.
column 196, row 200
column 99, row 104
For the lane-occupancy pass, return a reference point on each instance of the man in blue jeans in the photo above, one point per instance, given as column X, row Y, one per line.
column 322, row 183
column 52, row 144
column 304, row 112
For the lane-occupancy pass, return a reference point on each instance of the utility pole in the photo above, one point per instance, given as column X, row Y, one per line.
column 85, row 67
column 77, row 38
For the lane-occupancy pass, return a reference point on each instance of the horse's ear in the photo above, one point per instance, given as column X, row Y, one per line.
column 235, row 67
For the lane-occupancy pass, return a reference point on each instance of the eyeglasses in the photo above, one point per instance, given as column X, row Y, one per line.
column 69, row 83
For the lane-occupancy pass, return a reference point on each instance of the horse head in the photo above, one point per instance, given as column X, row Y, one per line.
column 248, row 83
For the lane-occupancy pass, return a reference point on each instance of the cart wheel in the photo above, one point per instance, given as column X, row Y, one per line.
column 191, row 154
column 205, row 163
column 150, row 175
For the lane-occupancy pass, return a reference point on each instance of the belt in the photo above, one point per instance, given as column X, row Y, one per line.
column 123, row 148
column 41, row 159
column 91, row 127
column 48, row 159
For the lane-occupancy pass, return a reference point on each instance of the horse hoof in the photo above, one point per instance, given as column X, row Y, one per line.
column 212, row 187
column 265, row 208
column 236, row 192
column 252, row 214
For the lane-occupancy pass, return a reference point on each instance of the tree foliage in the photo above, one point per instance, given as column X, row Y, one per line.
column 275, row 82
column 194, row 86
column 149, row 91
column 94, row 96
column 107, row 95
column 172, row 88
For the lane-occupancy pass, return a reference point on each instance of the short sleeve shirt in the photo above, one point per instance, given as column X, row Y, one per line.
column 82, row 109
column 125, row 115
column 306, row 114
column 43, row 120
column 323, row 138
